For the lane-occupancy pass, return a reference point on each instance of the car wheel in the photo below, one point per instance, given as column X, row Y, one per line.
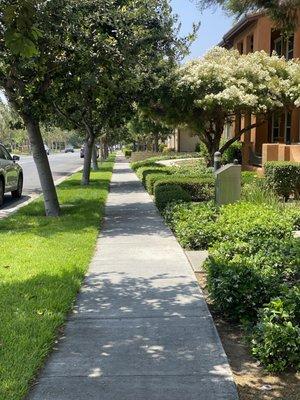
column 1, row 193
column 16, row 194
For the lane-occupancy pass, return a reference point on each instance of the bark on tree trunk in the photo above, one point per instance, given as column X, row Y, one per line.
column 52, row 208
column 95, row 159
column 88, row 150
column 156, row 143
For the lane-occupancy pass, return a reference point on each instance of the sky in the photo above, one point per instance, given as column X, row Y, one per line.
column 214, row 24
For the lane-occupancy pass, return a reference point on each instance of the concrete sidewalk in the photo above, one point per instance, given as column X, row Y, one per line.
column 141, row 329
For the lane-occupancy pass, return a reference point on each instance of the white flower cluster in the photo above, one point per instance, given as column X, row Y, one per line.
column 226, row 80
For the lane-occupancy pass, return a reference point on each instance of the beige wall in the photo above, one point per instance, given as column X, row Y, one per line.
column 183, row 140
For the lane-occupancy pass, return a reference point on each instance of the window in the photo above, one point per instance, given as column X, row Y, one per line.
column 275, row 127
column 288, row 127
column 284, row 47
column 278, row 46
column 290, row 48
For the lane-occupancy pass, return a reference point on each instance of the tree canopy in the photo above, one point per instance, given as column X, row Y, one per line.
column 89, row 59
column 205, row 94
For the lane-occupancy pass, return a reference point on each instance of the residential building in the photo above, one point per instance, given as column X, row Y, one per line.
column 279, row 138
column 183, row 140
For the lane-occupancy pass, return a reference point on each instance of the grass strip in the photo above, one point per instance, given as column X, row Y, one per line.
column 42, row 265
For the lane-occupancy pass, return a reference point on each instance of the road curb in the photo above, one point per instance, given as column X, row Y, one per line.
column 6, row 213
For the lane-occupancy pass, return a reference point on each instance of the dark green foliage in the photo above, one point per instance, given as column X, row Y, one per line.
column 127, row 153
column 234, row 152
column 293, row 213
column 193, row 224
column 243, row 276
column 154, row 177
column 168, row 194
column 253, row 222
column 249, row 177
column 276, row 341
column 202, row 150
column 144, row 172
column 200, row 189
column 283, row 177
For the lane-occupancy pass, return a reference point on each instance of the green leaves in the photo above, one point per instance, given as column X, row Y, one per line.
column 20, row 44
column 20, row 31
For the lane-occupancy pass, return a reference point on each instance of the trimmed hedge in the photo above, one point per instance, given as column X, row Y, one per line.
column 193, row 224
column 200, row 189
column 127, row 153
column 283, row 177
column 276, row 339
column 151, row 179
column 143, row 172
column 170, row 193
column 199, row 226
column 253, row 222
column 242, row 276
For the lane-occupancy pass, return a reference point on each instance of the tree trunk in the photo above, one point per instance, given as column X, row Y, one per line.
column 88, row 150
column 95, row 159
column 212, row 146
column 156, row 143
column 52, row 208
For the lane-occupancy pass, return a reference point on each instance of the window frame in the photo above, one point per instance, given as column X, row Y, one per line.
column 278, row 116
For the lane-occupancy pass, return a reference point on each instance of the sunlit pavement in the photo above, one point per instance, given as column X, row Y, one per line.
column 141, row 328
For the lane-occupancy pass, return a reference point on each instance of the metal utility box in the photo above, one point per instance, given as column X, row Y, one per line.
column 228, row 184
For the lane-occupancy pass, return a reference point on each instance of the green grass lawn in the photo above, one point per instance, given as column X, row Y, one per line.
column 42, row 264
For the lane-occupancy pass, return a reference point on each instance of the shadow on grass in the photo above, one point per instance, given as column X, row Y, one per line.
column 81, row 208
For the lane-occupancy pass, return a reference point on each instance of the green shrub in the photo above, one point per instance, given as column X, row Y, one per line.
column 161, row 147
column 149, row 162
column 258, row 192
column 143, row 172
column 249, row 177
column 197, row 170
column 193, row 223
column 170, row 193
column 253, row 222
column 127, row 153
column 234, row 152
column 202, row 150
column 154, row 177
column 292, row 211
column 200, row 189
column 283, row 178
column 276, row 340
column 243, row 276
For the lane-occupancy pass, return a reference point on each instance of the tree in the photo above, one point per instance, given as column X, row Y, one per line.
column 28, row 71
column 208, row 93
column 283, row 12
column 143, row 128
column 134, row 41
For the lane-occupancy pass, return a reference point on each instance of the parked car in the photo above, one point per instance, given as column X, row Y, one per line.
column 69, row 149
column 47, row 149
column 11, row 175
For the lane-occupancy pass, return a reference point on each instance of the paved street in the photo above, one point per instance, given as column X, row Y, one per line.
column 141, row 328
column 61, row 165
